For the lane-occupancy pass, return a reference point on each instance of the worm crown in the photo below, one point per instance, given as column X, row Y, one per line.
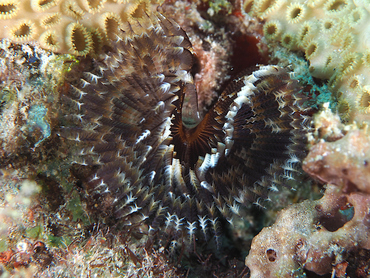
column 175, row 176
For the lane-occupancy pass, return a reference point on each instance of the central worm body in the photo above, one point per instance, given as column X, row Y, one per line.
column 170, row 170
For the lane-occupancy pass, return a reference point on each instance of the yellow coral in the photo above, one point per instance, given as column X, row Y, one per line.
column 296, row 12
column 78, row 39
column 49, row 40
column 97, row 40
column 314, row 3
column 363, row 101
column 357, row 17
column 23, row 31
column 110, row 23
column 329, row 25
column 306, row 31
column 70, row 8
column 313, row 49
column 43, row 5
column 333, row 35
column 289, row 41
column 354, row 82
column 8, row 9
column 50, row 20
column 272, row 29
column 265, row 7
column 335, row 6
column 343, row 109
column 93, row 6
column 366, row 58
column 348, row 65
column 68, row 26
column 247, row 5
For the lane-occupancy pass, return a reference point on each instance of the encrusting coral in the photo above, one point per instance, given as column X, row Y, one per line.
column 333, row 35
column 67, row 26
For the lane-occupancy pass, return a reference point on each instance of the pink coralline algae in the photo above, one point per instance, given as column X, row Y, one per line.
column 348, row 157
column 312, row 235
column 323, row 236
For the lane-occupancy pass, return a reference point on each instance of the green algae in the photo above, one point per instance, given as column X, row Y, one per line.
column 317, row 91
column 35, row 232
column 37, row 119
column 216, row 6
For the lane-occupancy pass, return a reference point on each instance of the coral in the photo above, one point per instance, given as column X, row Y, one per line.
column 75, row 27
column 333, row 37
column 313, row 235
column 166, row 170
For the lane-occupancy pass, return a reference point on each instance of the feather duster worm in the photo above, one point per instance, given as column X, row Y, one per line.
column 160, row 162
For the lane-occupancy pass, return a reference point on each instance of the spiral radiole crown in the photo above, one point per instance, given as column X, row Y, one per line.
column 137, row 121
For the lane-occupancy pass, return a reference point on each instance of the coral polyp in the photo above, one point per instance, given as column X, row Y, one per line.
column 73, row 24
column 330, row 34
column 181, row 175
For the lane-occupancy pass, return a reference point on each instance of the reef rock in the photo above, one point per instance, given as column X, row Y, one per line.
column 315, row 236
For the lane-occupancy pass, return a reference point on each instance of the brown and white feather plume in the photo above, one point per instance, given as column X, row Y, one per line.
column 176, row 171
